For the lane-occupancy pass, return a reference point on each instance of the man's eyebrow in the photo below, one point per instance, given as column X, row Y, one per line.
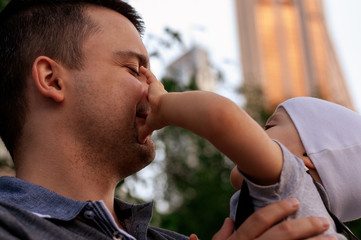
column 143, row 60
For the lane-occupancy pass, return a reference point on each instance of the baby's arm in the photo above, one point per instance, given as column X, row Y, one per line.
column 221, row 122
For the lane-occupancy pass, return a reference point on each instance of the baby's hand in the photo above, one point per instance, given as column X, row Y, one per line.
column 193, row 237
column 154, row 118
column 156, row 88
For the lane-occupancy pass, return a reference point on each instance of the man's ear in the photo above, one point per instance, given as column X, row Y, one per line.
column 48, row 79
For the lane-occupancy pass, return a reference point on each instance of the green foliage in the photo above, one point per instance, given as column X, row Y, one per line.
column 355, row 227
column 6, row 163
column 255, row 103
column 3, row 3
column 157, row 46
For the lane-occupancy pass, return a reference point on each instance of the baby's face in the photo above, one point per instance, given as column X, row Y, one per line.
column 281, row 128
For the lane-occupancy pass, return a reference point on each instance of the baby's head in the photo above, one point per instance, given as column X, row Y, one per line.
column 281, row 128
column 327, row 137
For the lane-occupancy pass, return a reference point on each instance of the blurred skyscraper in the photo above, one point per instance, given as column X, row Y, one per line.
column 193, row 65
column 286, row 51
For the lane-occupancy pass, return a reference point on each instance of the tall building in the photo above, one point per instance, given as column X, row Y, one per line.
column 287, row 52
column 193, row 64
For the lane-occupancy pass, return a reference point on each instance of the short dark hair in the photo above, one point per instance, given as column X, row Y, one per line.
column 31, row 28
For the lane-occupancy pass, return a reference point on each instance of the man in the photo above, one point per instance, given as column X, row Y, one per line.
column 72, row 106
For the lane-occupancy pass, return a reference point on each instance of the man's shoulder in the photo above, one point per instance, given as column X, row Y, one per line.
column 12, row 221
column 8, row 210
column 17, row 223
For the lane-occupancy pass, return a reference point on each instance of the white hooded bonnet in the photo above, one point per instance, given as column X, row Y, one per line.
column 331, row 135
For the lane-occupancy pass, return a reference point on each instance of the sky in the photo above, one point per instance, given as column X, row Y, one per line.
column 344, row 20
column 212, row 25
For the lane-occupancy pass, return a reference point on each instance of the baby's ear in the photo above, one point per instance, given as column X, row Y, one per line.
column 308, row 162
column 312, row 169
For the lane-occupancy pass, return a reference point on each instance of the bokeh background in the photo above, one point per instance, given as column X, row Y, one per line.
column 255, row 52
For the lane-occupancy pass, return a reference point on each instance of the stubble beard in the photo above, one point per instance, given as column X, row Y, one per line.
column 107, row 146
column 142, row 154
column 121, row 156
column 112, row 152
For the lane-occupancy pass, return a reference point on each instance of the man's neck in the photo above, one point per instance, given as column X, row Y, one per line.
column 77, row 187
column 70, row 177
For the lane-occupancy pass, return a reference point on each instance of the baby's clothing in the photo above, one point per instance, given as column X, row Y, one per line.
column 331, row 135
column 294, row 182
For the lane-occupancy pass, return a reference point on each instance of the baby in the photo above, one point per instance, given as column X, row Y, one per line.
column 303, row 133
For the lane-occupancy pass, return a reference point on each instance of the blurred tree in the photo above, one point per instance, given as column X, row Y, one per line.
column 255, row 103
column 3, row 3
column 6, row 164
column 355, row 227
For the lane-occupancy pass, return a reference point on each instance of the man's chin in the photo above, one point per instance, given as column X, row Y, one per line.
column 143, row 141
column 147, row 150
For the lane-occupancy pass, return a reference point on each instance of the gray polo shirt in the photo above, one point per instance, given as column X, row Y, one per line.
column 28, row 211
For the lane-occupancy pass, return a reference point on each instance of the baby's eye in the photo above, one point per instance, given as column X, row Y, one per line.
column 268, row 126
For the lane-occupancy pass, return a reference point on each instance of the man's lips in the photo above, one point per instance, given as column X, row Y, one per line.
column 140, row 121
column 141, row 113
column 141, row 117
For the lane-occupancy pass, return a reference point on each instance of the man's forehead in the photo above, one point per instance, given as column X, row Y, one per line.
column 116, row 34
column 107, row 18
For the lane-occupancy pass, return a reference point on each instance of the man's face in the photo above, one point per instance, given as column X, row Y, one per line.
column 108, row 97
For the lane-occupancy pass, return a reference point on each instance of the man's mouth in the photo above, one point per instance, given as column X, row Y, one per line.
column 140, row 121
column 141, row 115
column 142, row 111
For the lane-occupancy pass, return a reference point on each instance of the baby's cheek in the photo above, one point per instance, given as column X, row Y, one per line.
column 236, row 178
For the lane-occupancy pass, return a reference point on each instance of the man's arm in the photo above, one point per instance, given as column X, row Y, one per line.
column 219, row 120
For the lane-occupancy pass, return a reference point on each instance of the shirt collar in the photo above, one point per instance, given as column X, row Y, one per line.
column 38, row 200
column 46, row 203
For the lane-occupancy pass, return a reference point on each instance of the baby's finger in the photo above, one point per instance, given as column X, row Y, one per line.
column 150, row 76
column 193, row 237
column 144, row 133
